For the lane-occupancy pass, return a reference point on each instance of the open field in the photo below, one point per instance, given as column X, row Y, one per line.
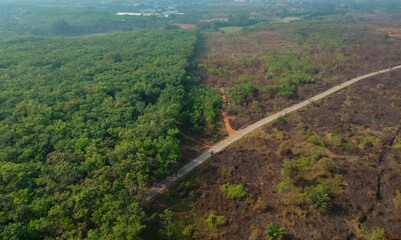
column 327, row 52
column 355, row 133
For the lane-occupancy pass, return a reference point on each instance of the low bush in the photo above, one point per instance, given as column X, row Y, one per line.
column 290, row 169
column 325, row 164
column 274, row 231
column 315, row 140
column 214, row 220
column 236, row 191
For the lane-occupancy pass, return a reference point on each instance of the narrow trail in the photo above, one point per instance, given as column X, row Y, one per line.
column 231, row 132
column 169, row 181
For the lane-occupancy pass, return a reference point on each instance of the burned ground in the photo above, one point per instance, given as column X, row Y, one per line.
column 339, row 51
column 360, row 132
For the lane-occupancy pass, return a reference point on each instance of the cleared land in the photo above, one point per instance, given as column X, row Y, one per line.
column 165, row 184
column 358, row 137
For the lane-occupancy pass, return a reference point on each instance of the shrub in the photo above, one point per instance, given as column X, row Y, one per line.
column 236, row 191
column 282, row 118
column 320, row 198
column 260, row 206
column 285, row 91
column 303, row 161
column 285, row 147
column 272, row 89
column 242, row 90
column 168, row 227
column 275, row 231
column 398, row 145
column 190, row 232
column 290, row 169
column 325, row 164
column 213, row 220
column 374, row 234
column 315, row 140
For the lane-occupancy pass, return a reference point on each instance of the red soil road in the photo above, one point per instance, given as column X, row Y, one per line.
column 231, row 132
column 164, row 185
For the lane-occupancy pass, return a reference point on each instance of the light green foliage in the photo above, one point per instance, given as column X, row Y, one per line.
column 289, row 72
column 85, row 124
column 341, row 57
column 168, row 227
column 244, row 61
column 190, row 232
column 303, row 162
column 290, row 169
column 203, row 106
column 397, row 145
column 313, row 103
column 236, row 191
column 214, row 220
column 373, row 234
column 242, row 90
column 315, row 140
column 274, row 231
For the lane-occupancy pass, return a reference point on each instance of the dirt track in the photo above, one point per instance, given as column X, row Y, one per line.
column 168, row 182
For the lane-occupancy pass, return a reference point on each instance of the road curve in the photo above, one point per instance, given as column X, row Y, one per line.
column 169, row 181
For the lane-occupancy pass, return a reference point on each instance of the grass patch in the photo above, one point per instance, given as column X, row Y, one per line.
column 282, row 118
column 236, row 191
column 315, row 140
column 397, row 145
column 214, row 220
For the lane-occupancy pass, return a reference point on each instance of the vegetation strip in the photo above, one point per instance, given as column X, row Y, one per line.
column 165, row 184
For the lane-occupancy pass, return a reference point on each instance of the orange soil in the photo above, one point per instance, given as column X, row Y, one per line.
column 392, row 32
column 230, row 131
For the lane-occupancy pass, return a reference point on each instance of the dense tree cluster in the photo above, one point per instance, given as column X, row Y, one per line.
column 85, row 123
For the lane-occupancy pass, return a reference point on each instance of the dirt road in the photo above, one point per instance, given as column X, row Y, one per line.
column 230, row 131
column 166, row 183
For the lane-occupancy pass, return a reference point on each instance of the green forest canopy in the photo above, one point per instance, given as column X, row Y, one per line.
column 85, row 123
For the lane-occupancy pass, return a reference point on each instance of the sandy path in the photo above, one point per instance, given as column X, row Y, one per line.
column 169, row 181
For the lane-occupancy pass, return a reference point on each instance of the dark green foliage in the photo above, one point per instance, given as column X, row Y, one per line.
column 85, row 124
column 274, row 231
column 203, row 106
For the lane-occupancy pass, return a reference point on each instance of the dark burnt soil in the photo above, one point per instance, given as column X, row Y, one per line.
column 221, row 58
column 366, row 118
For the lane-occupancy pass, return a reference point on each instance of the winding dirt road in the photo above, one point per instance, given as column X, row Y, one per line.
column 169, row 181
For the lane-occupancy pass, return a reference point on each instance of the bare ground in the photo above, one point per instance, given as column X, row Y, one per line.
column 370, row 175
